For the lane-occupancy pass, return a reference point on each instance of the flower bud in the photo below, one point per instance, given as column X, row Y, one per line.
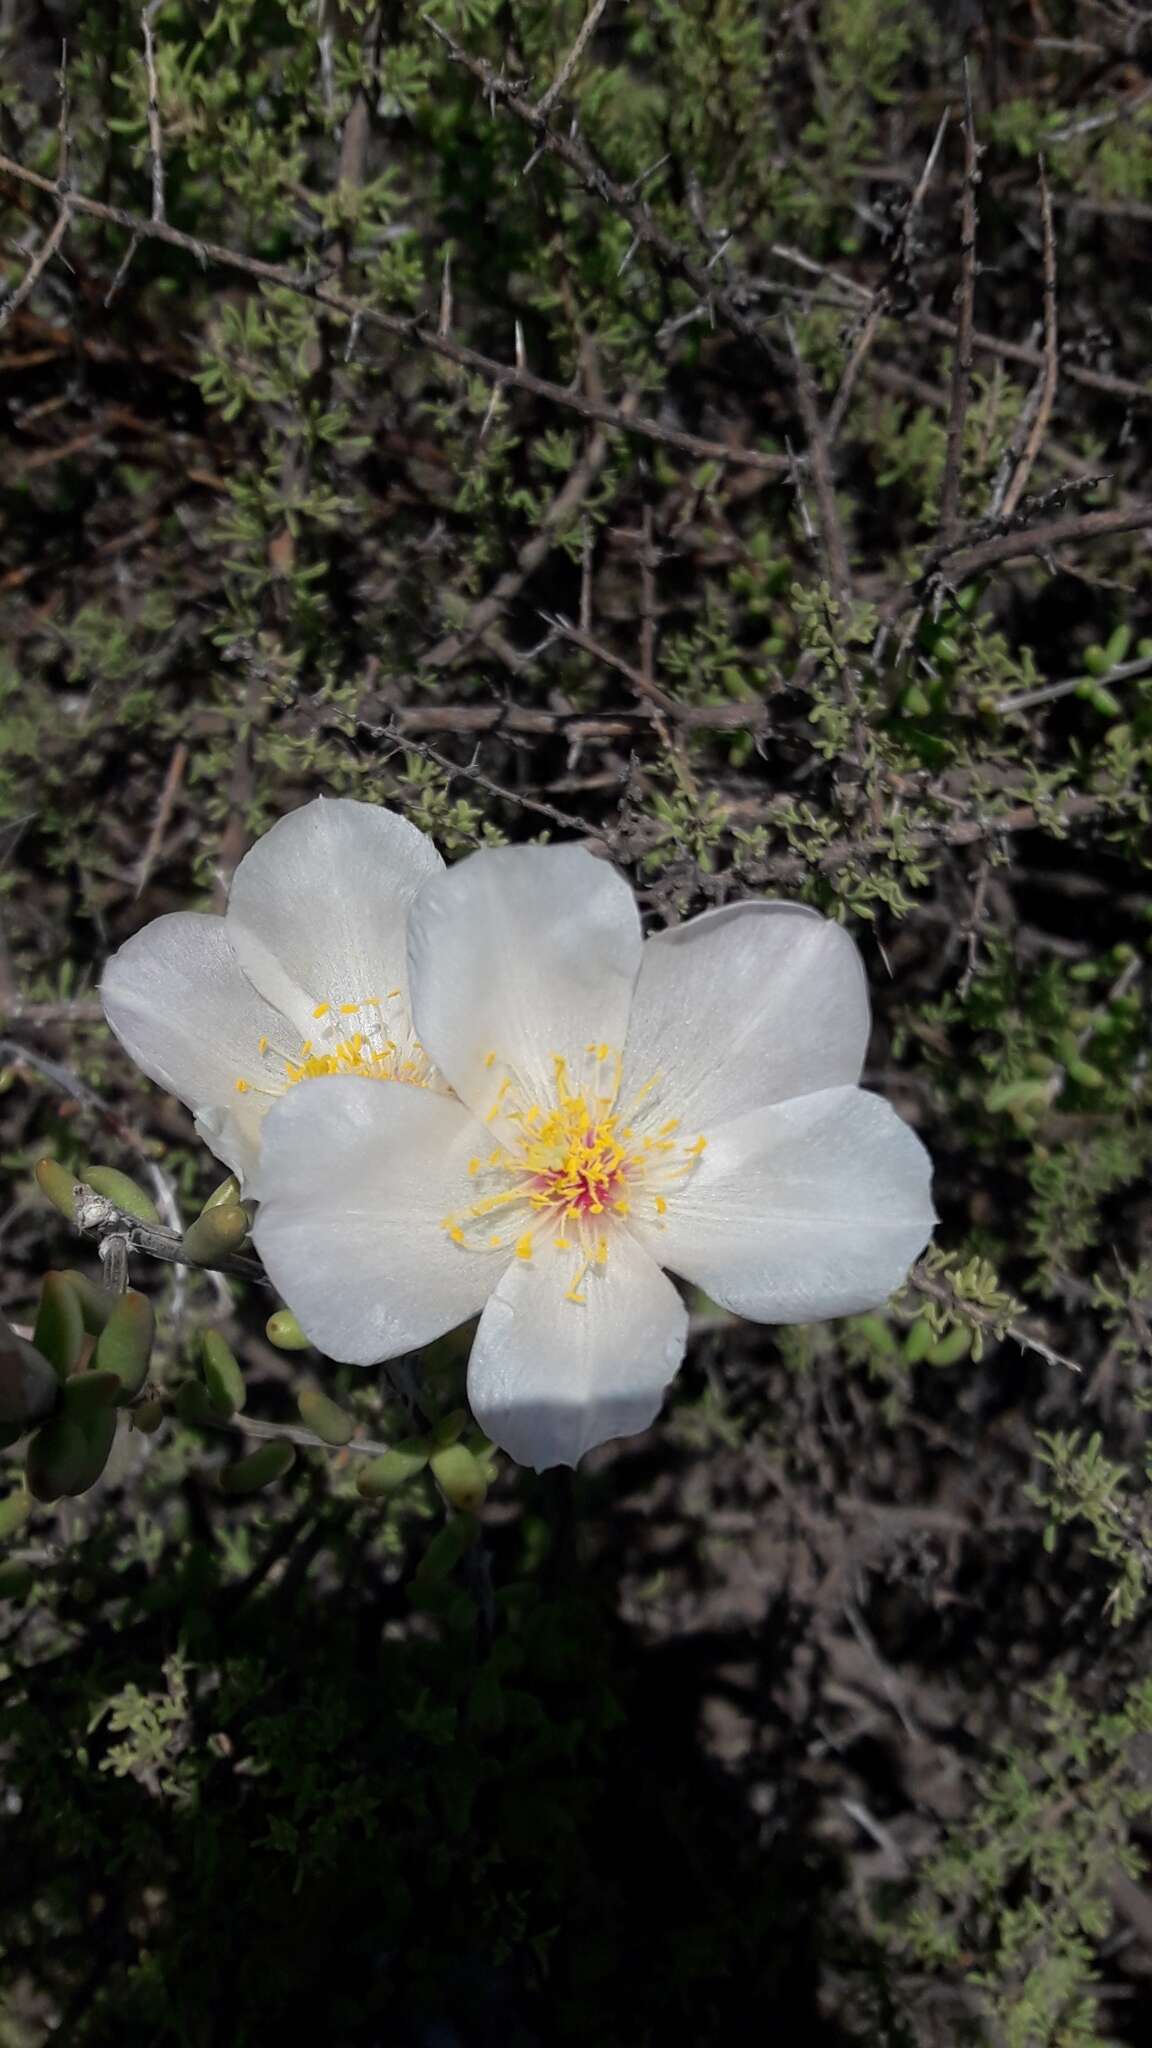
column 59, row 1331
column 215, row 1235
column 222, row 1376
column 124, row 1346
column 259, row 1468
column 285, row 1333
column 223, row 1197
column 325, row 1418
column 126, row 1193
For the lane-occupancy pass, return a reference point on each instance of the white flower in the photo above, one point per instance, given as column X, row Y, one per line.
column 305, row 975
column 686, row 1103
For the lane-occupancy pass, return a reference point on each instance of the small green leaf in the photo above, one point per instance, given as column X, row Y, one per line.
column 58, row 1185
column 448, row 1547
column 918, row 1342
column 325, row 1417
column 459, row 1477
column 96, row 1303
column 950, row 1349
column 68, row 1453
column 125, row 1192
column 215, row 1235
column 260, row 1468
column 59, row 1331
column 395, row 1469
column 222, row 1376
column 124, row 1346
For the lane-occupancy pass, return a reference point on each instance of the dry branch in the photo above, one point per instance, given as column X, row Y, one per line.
column 412, row 332
column 962, row 358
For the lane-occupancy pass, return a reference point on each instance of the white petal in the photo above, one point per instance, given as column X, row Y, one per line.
column 549, row 1378
column 522, row 952
column 742, row 1007
column 811, row 1208
column 355, row 1179
column 179, row 1004
column 318, row 907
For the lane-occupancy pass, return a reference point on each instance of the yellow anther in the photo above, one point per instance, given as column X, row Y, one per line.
column 489, row 1059
column 695, row 1150
column 349, row 1009
column 524, row 1246
column 673, row 1124
column 456, row 1234
column 321, row 1009
column 473, row 1168
column 241, row 1087
column 392, row 994
column 262, row 1045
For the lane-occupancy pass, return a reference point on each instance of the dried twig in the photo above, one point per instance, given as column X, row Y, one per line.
column 556, row 517
column 98, row 1218
column 155, row 140
column 410, row 332
column 1047, row 386
column 937, row 1290
column 545, row 105
column 570, row 148
column 1026, row 540
column 962, row 358
column 1047, row 693
column 294, row 1433
column 39, row 263
column 172, row 781
column 820, row 464
column 901, row 259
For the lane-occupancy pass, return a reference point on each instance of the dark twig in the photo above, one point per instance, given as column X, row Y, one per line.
column 556, row 517
column 39, row 263
column 412, row 332
column 155, row 143
column 570, row 148
column 962, row 358
column 964, row 562
column 820, row 464
column 881, row 303
column 1047, row 387
column 545, row 105
column 172, row 781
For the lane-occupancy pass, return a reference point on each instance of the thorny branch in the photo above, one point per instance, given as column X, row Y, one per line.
column 962, row 358
column 1046, row 389
column 412, row 332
